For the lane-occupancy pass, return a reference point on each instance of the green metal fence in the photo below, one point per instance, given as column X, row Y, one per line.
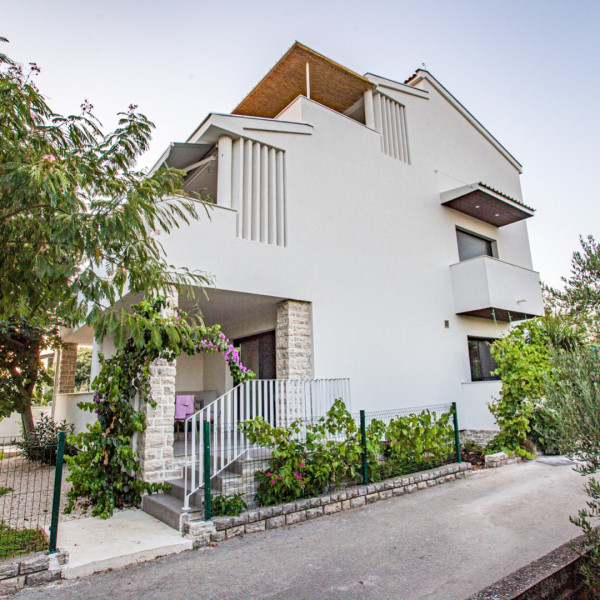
column 30, row 491
column 375, row 448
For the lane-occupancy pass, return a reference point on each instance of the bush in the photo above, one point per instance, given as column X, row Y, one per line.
column 41, row 444
column 416, row 442
column 330, row 451
column 228, row 506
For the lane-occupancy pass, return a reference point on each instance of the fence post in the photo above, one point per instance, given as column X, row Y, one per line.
column 363, row 441
column 207, row 498
column 456, row 434
column 60, row 452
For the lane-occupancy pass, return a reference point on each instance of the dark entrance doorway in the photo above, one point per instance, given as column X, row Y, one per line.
column 258, row 354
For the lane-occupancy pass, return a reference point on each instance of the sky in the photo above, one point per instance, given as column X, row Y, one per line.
column 527, row 69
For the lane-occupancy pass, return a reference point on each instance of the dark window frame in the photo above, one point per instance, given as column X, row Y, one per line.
column 492, row 245
column 481, row 362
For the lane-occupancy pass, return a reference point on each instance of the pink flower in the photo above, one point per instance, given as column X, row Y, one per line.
column 302, row 483
column 279, row 478
column 269, row 473
column 272, row 481
column 296, row 475
column 49, row 157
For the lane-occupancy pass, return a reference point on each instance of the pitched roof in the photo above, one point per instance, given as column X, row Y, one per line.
column 331, row 84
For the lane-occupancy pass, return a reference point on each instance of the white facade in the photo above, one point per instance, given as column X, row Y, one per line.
column 344, row 211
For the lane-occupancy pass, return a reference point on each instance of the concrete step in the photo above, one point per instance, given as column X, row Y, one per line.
column 178, row 491
column 169, row 509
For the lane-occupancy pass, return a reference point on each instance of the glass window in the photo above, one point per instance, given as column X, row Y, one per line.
column 482, row 362
column 471, row 245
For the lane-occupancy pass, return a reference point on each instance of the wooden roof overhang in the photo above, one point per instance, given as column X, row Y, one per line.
column 486, row 204
column 331, row 84
column 497, row 314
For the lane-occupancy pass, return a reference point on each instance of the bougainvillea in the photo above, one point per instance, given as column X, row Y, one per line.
column 105, row 474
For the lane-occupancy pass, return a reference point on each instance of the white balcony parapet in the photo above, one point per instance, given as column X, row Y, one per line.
column 489, row 288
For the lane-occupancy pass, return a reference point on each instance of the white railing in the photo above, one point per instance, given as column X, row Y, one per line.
column 278, row 401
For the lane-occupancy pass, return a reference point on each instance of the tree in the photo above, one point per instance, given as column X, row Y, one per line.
column 79, row 225
column 523, row 359
column 574, row 397
column 581, row 293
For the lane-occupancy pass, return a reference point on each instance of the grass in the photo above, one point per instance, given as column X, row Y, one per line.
column 14, row 542
column 4, row 490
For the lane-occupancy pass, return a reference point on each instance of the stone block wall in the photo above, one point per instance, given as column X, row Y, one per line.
column 66, row 368
column 293, row 340
column 30, row 570
column 480, row 436
column 306, row 509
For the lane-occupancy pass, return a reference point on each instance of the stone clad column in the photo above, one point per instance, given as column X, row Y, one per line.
column 67, row 366
column 155, row 445
column 293, row 340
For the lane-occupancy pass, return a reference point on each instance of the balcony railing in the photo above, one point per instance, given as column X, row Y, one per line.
column 491, row 289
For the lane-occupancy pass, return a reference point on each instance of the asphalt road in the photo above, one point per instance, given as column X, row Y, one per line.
column 443, row 543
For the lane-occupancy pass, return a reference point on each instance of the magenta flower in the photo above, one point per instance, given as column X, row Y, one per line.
column 268, row 473
column 272, row 481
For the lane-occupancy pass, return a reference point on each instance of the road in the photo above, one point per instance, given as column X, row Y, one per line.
column 443, row 543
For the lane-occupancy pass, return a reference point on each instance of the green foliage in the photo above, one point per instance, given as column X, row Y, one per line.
column 523, row 359
column 41, row 444
column 79, row 225
column 21, row 370
column 5, row 490
column 232, row 505
column 416, row 442
column 14, row 542
column 574, row 399
column 581, row 293
column 105, row 472
column 309, row 459
column 303, row 461
column 83, row 369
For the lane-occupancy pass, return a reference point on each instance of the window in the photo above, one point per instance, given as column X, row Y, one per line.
column 471, row 245
column 482, row 362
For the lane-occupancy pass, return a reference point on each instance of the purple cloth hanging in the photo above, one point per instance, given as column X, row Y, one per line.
column 184, row 407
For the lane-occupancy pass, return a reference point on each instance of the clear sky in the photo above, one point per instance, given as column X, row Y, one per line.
column 529, row 70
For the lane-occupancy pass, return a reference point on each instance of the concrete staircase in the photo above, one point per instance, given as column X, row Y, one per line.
column 238, row 477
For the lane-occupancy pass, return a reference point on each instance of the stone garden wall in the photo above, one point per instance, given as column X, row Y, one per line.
column 306, row 509
column 30, row 570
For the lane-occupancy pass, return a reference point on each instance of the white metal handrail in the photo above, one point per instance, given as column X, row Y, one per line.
column 278, row 401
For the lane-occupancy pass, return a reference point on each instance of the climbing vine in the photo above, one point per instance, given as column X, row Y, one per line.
column 105, row 473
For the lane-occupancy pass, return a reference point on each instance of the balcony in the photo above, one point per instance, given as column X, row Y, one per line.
column 488, row 288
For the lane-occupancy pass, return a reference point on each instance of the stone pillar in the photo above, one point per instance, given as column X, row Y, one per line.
column 293, row 340
column 67, row 365
column 155, row 446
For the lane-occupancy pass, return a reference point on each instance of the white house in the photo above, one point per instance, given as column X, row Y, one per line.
column 364, row 228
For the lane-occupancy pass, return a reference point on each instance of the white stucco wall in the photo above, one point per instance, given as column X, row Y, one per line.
column 370, row 246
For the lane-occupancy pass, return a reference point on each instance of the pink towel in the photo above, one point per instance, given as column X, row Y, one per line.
column 184, row 407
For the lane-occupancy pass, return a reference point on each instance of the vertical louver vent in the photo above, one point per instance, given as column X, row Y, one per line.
column 258, row 192
column 390, row 121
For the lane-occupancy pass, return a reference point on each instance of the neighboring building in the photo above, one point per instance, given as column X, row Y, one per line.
column 363, row 228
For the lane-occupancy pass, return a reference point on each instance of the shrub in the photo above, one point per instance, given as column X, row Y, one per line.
column 42, row 443
column 228, row 506
column 330, row 451
column 416, row 442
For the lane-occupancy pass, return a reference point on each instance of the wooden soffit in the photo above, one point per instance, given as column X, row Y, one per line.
column 331, row 84
column 486, row 204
